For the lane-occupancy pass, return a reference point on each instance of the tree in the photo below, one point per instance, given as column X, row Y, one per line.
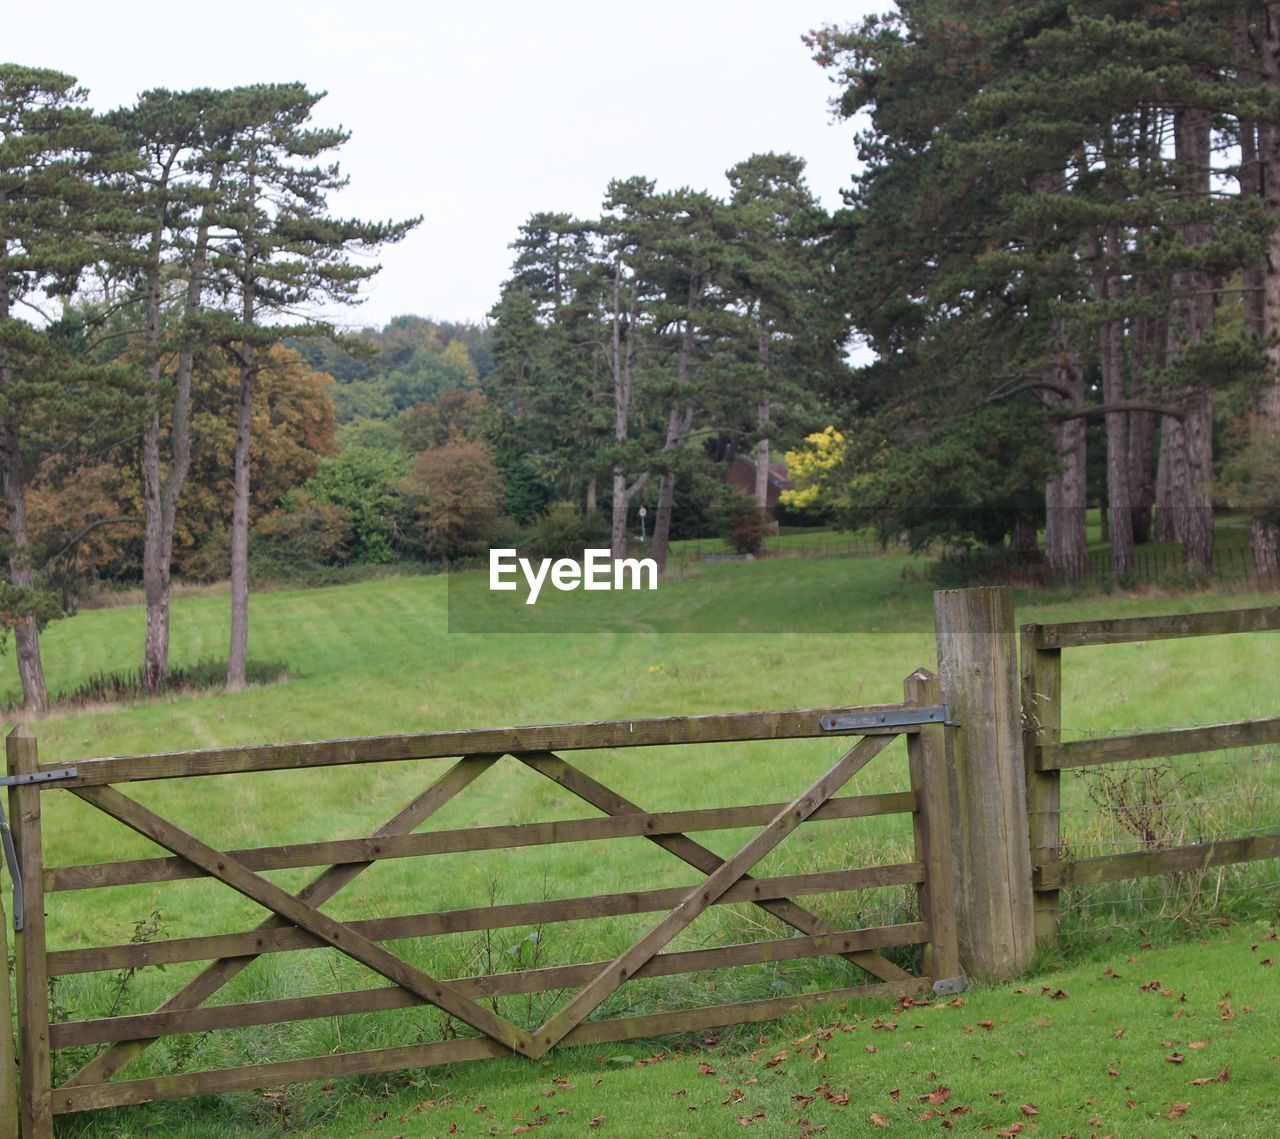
column 456, row 492
column 173, row 192
column 277, row 249
column 362, row 480
column 54, row 154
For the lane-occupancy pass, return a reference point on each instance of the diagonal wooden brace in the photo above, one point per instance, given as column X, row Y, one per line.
column 704, row 895
column 318, row 891
column 340, row 936
column 700, row 857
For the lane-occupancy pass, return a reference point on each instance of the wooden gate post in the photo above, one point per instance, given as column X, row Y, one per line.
column 937, row 893
column 36, row 1099
column 978, row 665
column 8, row 1068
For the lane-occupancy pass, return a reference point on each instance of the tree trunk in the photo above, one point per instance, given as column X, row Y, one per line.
column 1262, row 541
column 1142, row 429
column 1171, row 469
column 1065, row 546
column 591, row 495
column 26, row 630
column 1262, row 535
column 1120, row 516
column 679, row 424
column 1191, row 321
column 237, row 661
column 161, row 496
column 762, row 423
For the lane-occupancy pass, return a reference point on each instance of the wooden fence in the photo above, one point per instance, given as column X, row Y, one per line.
column 297, row 922
column 985, row 763
column 1046, row 755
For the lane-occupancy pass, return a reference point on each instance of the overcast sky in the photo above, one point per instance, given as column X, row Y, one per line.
column 477, row 114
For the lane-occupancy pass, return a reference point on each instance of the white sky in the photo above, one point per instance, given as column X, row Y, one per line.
column 477, row 114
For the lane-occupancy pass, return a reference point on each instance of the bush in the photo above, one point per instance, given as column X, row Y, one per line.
column 740, row 522
column 564, row 531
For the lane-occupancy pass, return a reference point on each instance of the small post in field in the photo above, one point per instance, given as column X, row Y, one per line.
column 978, row 666
column 1042, row 719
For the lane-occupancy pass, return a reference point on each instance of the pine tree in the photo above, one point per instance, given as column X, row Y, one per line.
column 275, row 249
column 54, row 157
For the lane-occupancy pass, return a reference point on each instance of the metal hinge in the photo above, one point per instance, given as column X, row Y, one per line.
column 949, row 986
column 6, row 835
column 889, row 718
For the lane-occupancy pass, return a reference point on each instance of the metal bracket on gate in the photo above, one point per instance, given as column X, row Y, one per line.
column 6, row 835
column 889, row 718
column 949, row 986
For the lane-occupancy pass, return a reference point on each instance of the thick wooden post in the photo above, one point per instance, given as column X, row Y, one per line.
column 978, row 664
column 8, row 1060
column 926, row 755
column 1042, row 724
column 36, row 1099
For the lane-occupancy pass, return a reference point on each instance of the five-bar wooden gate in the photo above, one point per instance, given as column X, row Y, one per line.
column 299, row 922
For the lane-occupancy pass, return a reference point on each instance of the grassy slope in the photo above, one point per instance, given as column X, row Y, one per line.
column 378, row 657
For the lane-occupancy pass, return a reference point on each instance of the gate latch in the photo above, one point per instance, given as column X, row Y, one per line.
column 6, row 835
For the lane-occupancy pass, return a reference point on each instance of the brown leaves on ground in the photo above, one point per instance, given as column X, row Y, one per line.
column 1221, row 1078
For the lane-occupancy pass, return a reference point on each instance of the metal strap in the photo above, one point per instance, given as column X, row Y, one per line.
column 6, row 835
column 889, row 718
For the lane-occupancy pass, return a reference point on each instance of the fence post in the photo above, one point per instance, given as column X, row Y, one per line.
column 36, row 1099
column 977, row 661
column 1042, row 724
column 8, row 1061
column 932, row 822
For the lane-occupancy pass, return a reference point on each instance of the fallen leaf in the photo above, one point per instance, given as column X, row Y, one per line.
column 1221, row 1078
column 988, row 1024
column 1175, row 1058
column 1178, row 1109
column 1198, row 1044
column 1119, row 1032
column 1029, row 1109
column 872, row 1048
column 705, row 1069
column 595, row 1123
column 879, row 1120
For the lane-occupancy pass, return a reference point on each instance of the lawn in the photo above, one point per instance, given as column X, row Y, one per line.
column 387, row 656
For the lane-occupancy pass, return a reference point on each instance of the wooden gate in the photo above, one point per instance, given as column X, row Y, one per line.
column 297, row 921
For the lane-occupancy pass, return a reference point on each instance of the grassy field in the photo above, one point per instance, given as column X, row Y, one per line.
column 381, row 657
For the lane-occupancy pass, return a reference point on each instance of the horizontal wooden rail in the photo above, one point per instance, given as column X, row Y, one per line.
column 69, row 1099
column 735, row 727
column 216, row 946
column 1123, row 630
column 1156, row 745
column 339, row 851
column 1147, row 863
column 547, row 979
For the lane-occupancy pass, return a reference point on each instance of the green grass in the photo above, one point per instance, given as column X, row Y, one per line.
column 1099, row 1060
column 380, row 657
